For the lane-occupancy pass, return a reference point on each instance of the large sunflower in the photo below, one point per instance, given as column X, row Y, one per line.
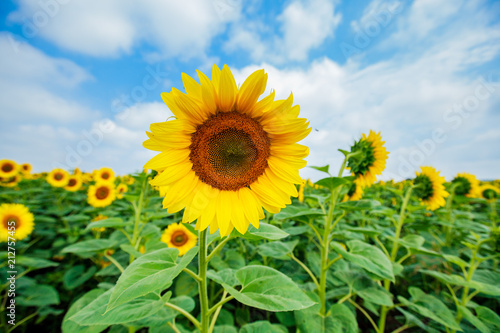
column 178, row 236
column 58, row 178
column 101, row 194
column 8, row 168
column 467, row 185
column 16, row 221
column 369, row 159
column 104, row 175
column 227, row 155
column 430, row 188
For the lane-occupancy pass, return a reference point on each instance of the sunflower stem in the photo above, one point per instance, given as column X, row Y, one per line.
column 202, row 274
column 451, row 218
column 138, row 209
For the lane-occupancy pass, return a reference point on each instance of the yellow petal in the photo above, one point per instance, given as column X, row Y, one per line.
column 223, row 212
column 227, row 90
column 167, row 158
column 250, row 206
column 238, row 219
column 250, row 90
column 208, row 93
column 191, row 86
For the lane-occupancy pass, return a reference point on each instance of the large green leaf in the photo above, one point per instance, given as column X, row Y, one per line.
column 265, row 231
column 278, row 250
column 333, row 182
column 113, row 222
column 290, row 212
column 39, row 295
column 489, row 317
column 34, row 263
column 469, row 316
column 225, row 276
column 430, row 307
column 166, row 314
column 368, row 257
column 95, row 312
column 457, row 280
column 93, row 245
column 69, row 326
column 76, row 276
column 268, row 289
column 151, row 272
column 263, row 327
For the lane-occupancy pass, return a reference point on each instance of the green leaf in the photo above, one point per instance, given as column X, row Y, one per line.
column 39, row 295
column 333, row 182
column 430, row 307
column 344, row 319
column 225, row 329
column 186, row 286
column 93, row 245
column 460, row 281
column 368, row 257
column 278, row 250
column 75, row 276
column 377, row 295
column 114, row 222
column 262, row 327
column 151, row 272
column 35, row 263
column 166, row 314
column 69, row 326
column 130, row 250
column 363, row 204
column 225, row 276
column 77, row 218
column 268, row 289
column 234, row 259
column 95, row 312
column 290, row 212
column 322, row 169
column 489, row 317
column 265, row 231
column 476, row 322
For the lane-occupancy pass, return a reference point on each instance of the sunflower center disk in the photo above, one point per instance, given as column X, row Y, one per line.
column 229, row 151
column 58, row 176
column 10, row 218
column 7, row 167
column 72, row 182
column 179, row 238
column 102, row 193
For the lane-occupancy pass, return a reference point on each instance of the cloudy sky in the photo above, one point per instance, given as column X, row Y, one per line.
column 80, row 81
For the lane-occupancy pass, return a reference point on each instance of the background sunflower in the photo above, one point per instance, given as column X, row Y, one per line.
column 17, row 218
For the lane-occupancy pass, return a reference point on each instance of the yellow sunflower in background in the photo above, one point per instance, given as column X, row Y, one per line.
column 104, row 175
column 17, row 218
column 11, row 181
column 370, row 158
column 58, row 178
column 74, row 183
column 8, row 168
column 178, row 236
column 121, row 189
column 430, row 188
column 101, row 194
column 489, row 192
column 354, row 193
column 467, row 185
column 300, row 196
column 26, row 168
column 227, row 155
column 99, row 218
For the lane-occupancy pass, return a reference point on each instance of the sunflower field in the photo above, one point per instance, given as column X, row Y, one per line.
column 219, row 233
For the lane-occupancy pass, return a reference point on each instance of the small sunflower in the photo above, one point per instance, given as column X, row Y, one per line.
column 121, row 189
column 11, row 181
column 178, row 236
column 301, row 192
column 489, row 192
column 16, row 221
column 370, row 158
column 58, row 178
column 430, row 188
column 104, row 175
column 74, row 183
column 26, row 168
column 467, row 185
column 99, row 218
column 101, row 194
column 8, row 168
column 355, row 192
column 227, row 155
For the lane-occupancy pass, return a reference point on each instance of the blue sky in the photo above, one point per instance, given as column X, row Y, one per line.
column 80, row 82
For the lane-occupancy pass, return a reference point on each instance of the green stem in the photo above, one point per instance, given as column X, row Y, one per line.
column 202, row 269
column 216, row 314
column 363, row 312
column 186, row 314
column 192, row 274
column 218, row 248
column 137, row 219
column 305, row 268
column 116, row 263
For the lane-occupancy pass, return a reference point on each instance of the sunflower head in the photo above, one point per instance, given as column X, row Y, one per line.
column 10, row 181
column 104, row 175
column 354, row 193
column 178, row 236
column 8, row 168
column 489, row 192
column 429, row 188
column 16, row 221
column 467, row 185
column 121, row 189
column 58, row 178
column 26, row 168
column 101, row 194
column 227, row 155
column 368, row 158
column 74, row 183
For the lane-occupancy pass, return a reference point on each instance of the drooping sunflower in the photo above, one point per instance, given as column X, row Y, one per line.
column 8, row 168
column 121, row 189
column 430, row 188
column 104, row 175
column 227, row 155
column 178, row 236
column 16, row 221
column 370, row 158
column 101, row 194
column 354, row 193
column 489, row 192
column 74, row 183
column 58, row 178
column 466, row 185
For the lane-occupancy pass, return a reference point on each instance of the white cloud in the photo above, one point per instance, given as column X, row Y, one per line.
column 113, row 27
column 304, row 26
